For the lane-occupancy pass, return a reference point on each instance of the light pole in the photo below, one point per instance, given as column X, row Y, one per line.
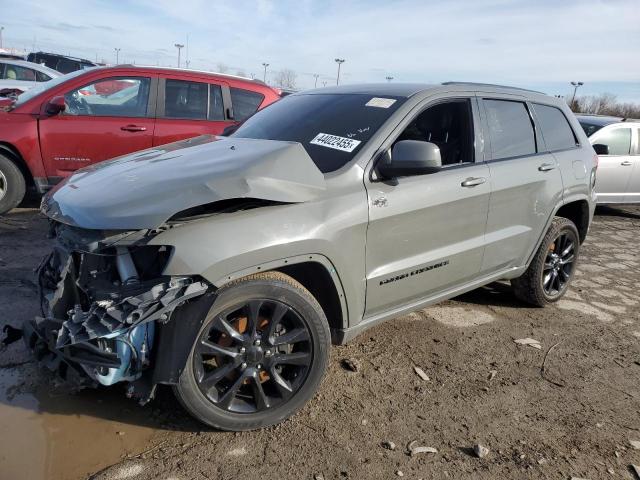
column 388, row 78
column 315, row 75
column 264, row 78
column 339, row 61
column 1, row 29
column 117, row 55
column 324, row 83
column 575, row 89
column 179, row 46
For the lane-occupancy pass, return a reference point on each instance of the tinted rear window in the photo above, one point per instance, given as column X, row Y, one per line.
column 555, row 128
column 590, row 128
column 510, row 129
column 345, row 120
column 245, row 103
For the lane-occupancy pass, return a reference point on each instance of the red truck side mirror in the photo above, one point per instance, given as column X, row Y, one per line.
column 55, row 106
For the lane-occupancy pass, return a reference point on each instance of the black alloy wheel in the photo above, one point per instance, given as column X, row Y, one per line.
column 558, row 265
column 259, row 356
column 253, row 356
column 549, row 273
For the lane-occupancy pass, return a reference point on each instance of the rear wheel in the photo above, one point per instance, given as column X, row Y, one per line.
column 260, row 355
column 552, row 268
column 12, row 185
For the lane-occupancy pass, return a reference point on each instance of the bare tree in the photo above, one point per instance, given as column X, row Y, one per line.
column 241, row 73
column 604, row 104
column 221, row 67
column 285, row 78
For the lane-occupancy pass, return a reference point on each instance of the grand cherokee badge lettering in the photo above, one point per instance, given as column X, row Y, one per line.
column 415, row 272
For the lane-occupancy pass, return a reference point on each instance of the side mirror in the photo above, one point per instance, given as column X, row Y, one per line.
column 55, row 106
column 411, row 157
column 601, row 149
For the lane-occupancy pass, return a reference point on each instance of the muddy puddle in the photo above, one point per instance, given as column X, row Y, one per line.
column 63, row 436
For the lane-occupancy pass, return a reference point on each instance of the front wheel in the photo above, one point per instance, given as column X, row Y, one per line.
column 260, row 355
column 552, row 268
column 12, row 185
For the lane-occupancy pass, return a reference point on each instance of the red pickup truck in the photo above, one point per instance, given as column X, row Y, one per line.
column 92, row 115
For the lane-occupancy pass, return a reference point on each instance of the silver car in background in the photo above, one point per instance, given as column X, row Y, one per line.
column 23, row 75
column 617, row 142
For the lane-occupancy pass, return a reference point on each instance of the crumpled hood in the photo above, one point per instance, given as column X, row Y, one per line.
column 146, row 188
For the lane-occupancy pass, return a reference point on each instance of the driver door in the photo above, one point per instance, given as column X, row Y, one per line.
column 426, row 233
column 105, row 119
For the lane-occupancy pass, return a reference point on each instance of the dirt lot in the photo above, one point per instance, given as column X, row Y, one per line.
column 576, row 421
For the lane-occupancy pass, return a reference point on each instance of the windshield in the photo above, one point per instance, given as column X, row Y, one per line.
column 331, row 127
column 44, row 86
column 590, row 128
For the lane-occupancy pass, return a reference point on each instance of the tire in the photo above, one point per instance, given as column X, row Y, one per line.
column 12, row 185
column 538, row 285
column 204, row 388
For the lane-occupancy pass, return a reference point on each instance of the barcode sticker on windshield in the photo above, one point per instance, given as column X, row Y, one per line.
column 333, row 141
column 380, row 102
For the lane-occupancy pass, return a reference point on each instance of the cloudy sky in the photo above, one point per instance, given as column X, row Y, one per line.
column 541, row 44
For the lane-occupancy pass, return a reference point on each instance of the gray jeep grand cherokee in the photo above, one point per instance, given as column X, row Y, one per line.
column 225, row 266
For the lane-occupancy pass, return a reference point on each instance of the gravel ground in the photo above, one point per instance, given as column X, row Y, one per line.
column 575, row 419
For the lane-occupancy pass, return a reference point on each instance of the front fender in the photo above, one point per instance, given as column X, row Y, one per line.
column 224, row 247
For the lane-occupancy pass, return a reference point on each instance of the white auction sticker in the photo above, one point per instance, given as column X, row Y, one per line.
column 334, row 141
column 380, row 102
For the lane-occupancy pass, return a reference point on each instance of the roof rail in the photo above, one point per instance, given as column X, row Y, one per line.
column 158, row 67
column 474, row 84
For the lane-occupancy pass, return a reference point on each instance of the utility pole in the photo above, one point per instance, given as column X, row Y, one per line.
column 315, row 75
column 265, row 65
column 575, row 89
column 339, row 61
column 1, row 29
column 117, row 55
column 389, row 78
column 186, row 61
column 179, row 46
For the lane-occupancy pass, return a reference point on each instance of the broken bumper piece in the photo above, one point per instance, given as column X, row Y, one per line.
column 102, row 309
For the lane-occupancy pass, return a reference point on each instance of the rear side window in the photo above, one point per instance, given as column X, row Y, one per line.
column 42, row 77
column 618, row 140
column 65, row 65
column 557, row 133
column 185, row 99
column 245, row 103
column 510, row 129
column 216, row 108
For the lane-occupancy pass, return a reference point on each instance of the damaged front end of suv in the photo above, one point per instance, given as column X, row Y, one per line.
column 104, row 300
column 126, row 288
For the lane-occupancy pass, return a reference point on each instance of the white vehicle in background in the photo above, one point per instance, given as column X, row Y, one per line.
column 22, row 75
column 616, row 140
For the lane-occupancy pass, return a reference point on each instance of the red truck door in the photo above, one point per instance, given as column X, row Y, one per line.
column 107, row 118
column 189, row 108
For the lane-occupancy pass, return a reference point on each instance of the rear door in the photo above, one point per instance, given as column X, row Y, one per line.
column 615, row 169
column 103, row 119
column 426, row 232
column 633, row 190
column 526, row 184
column 188, row 108
column 560, row 140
